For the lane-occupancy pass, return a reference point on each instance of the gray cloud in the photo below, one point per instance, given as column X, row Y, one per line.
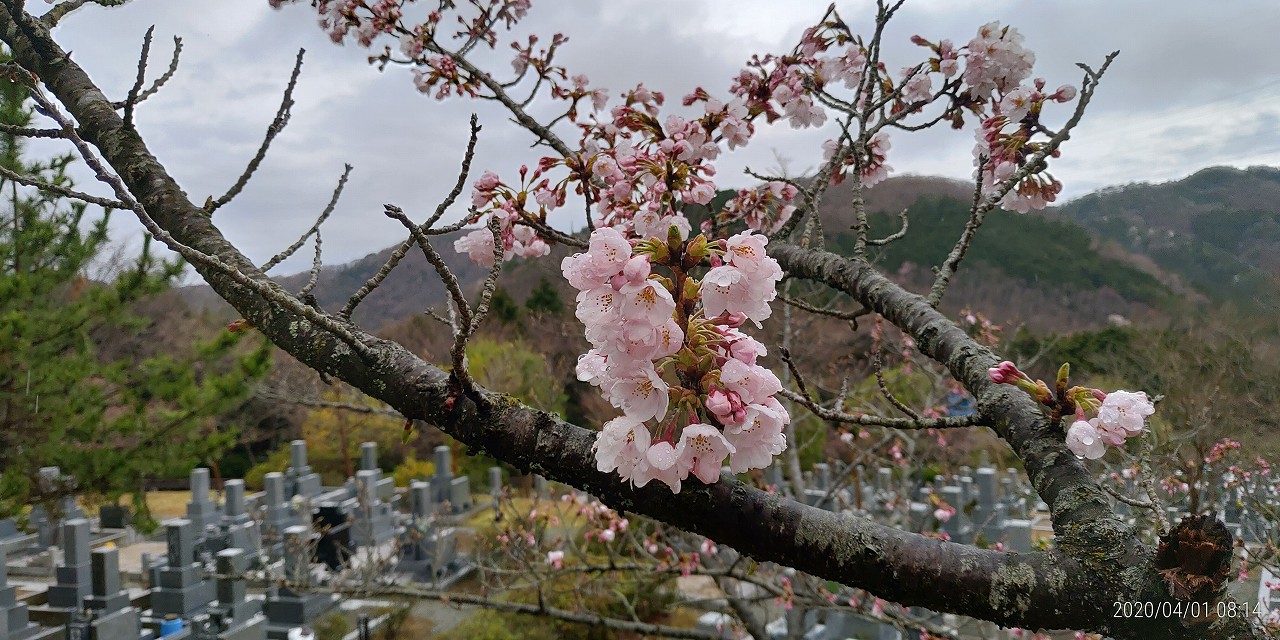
column 1193, row 86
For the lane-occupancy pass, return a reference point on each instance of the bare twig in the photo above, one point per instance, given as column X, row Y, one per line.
column 159, row 82
column 877, row 365
column 266, row 289
column 60, row 190
column 897, row 235
column 315, row 228
column 1141, row 504
column 462, row 319
column 277, row 125
column 132, row 100
column 834, row 313
column 462, row 175
column 328, row 404
column 833, row 415
column 55, row 14
column 28, row 132
column 402, row 249
column 314, row 278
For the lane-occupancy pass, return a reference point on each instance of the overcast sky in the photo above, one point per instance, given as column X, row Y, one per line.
column 1196, row 84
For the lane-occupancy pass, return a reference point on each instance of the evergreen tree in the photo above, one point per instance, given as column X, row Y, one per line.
column 82, row 387
column 545, row 299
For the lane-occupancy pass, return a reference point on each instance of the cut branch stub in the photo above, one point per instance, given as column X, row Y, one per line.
column 1194, row 558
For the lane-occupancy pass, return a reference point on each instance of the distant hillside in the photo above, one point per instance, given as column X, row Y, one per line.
column 410, row 289
column 1217, row 230
column 1046, row 272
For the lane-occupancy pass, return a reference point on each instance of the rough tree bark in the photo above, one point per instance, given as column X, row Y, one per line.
column 1095, row 563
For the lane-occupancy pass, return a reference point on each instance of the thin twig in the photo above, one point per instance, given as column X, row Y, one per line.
column 61, row 190
column 277, row 125
column 898, row 235
column 877, row 365
column 1144, row 481
column 402, row 249
column 159, row 82
column 834, row 313
column 832, row 415
column 315, row 270
column 132, row 100
column 28, row 132
column 462, row 175
column 268, row 290
column 460, row 314
column 1123, row 498
column 315, row 228
column 56, row 14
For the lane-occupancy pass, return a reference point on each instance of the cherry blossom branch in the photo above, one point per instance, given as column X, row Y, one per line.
column 1033, row 163
column 277, row 125
column 315, row 228
column 1055, row 589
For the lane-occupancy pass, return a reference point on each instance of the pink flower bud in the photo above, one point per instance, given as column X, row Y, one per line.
column 718, row 403
column 1005, row 373
column 636, row 269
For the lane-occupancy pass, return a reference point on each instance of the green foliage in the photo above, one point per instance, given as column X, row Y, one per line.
column 332, row 626
column 517, row 369
column 83, row 385
column 413, row 469
column 276, row 462
column 1032, row 248
column 1216, row 229
column 488, row 624
column 545, row 299
column 520, row 371
column 503, row 308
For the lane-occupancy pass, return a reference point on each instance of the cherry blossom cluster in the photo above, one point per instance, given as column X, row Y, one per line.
column 491, row 195
column 1100, row 419
column 642, row 325
column 766, row 208
column 1122, row 415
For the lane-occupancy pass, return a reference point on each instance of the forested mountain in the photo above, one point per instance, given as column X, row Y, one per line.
column 1136, row 251
column 1217, row 230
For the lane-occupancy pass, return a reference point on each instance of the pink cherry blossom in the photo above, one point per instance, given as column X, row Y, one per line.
column 555, row 559
column 641, row 395
column 1126, row 410
column 646, row 302
column 623, row 444
column 663, row 459
column 1084, row 440
column 752, row 383
column 703, row 450
column 478, row 245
